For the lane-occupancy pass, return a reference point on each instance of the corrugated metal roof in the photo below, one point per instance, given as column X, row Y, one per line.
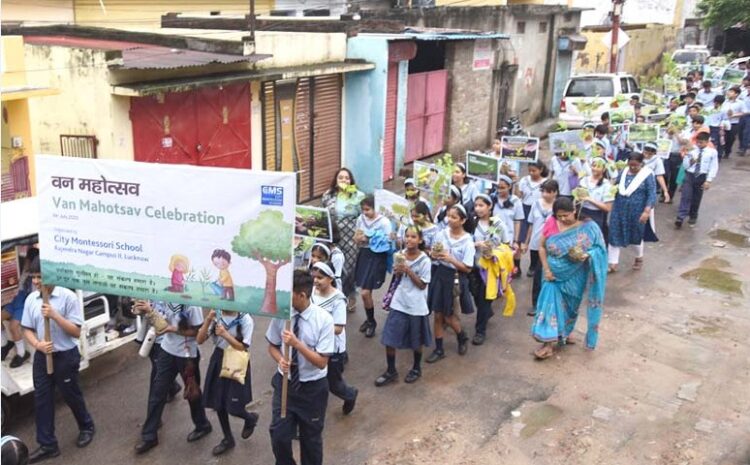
column 145, row 56
column 450, row 34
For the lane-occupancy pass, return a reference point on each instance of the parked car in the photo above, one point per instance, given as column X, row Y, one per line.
column 690, row 58
column 587, row 96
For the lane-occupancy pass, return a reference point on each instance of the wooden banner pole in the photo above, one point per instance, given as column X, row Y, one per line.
column 47, row 330
column 285, row 380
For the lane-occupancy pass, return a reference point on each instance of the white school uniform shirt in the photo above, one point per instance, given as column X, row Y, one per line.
column 656, row 164
column 736, row 107
column 561, row 172
column 338, row 260
column 530, row 190
column 462, row 248
column 66, row 303
column 380, row 223
column 709, row 163
column 335, row 304
column 408, row 298
column 599, row 192
column 315, row 331
column 715, row 116
column 176, row 344
column 240, row 324
column 482, row 233
column 537, row 216
column 706, row 98
column 509, row 215
column 428, row 234
column 469, row 192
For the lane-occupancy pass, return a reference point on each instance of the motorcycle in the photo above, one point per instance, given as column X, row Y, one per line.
column 512, row 128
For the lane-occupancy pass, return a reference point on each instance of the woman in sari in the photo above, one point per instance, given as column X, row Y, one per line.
column 572, row 254
column 342, row 199
column 631, row 221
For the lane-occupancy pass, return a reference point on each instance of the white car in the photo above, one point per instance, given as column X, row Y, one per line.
column 587, row 96
column 690, row 58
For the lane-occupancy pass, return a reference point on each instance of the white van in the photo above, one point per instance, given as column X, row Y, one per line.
column 18, row 230
column 587, row 96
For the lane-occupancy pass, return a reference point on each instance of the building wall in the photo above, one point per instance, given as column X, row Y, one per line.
column 364, row 112
column 60, row 11
column 13, row 70
column 640, row 56
column 148, row 13
column 470, row 3
column 84, row 105
column 300, row 48
column 470, row 106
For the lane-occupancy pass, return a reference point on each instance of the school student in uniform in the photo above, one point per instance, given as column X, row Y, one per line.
column 598, row 201
column 311, row 341
column 328, row 297
column 706, row 96
column 509, row 209
column 565, row 172
column 321, row 253
column 454, row 197
column 734, row 108
column 228, row 396
column 468, row 188
column 179, row 355
column 540, row 211
column 408, row 324
column 655, row 164
column 373, row 237
column 421, row 217
column 716, row 119
column 453, row 261
column 66, row 317
column 701, row 167
column 488, row 234
column 412, row 192
column 529, row 190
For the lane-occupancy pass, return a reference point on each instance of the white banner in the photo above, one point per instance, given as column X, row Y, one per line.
column 214, row 237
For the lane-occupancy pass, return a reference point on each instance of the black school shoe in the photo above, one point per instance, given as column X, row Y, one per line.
column 435, row 356
column 5, row 350
column 478, row 339
column 370, row 332
column 85, row 437
column 363, row 327
column 413, row 376
column 44, row 453
column 463, row 343
column 692, row 221
column 223, row 447
column 199, row 433
column 678, row 224
column 386, row 378
column 250, row 425
column 349, row 404
column 18, row 361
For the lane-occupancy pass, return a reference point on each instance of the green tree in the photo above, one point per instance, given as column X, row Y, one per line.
column 268, row 240
column 724, row 13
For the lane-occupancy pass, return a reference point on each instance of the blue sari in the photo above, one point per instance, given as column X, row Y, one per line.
column 557, row 306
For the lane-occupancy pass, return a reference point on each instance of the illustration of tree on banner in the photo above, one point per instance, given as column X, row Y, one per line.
column 268, row 240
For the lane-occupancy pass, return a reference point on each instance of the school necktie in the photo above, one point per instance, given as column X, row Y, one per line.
column 697, row 170
column 294, row 369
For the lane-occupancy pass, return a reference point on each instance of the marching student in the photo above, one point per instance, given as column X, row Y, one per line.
column 422, row 219
column 540, row 211
column 468, row 188
column 706, row 96
column 529, row 190
column 716, row 120
column 598, row 201
column 488, row 235
column 565, row 172
column 224, row 395
column 453, row 254
column 412, row 192
column 328, row 297
column 701, row 166
column 408, row 324
column 66, row 317
column 12, row 314
column 323, row 253
column 656, row 164
column 454, row 197
column 373, row 237
column 311, row 340
column 179, row 355
column 509, row 209
column 734, row 108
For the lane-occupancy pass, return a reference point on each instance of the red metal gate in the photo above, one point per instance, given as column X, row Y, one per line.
column 425, row 114
column 208, row 126
column 389, row 143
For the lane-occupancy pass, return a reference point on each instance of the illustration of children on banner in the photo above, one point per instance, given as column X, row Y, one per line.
column 224, row 285
column 179, row 265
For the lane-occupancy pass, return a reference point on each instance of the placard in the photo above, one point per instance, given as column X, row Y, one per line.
column 643, row 133
column 663, row 147
column 392, row 206
column 565, row 141
column 223, row 241
column 481, row 166
column 313, row 222
column 524, row 149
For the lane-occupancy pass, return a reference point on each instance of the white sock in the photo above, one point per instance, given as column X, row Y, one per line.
column 20, row 348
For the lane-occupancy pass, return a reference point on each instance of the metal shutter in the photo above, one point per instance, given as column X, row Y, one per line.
column 302, row 116
column 389, row 143
column 327, row 131
column 269, row 127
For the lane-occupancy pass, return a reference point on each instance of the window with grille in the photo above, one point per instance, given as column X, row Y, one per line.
column 78, row 146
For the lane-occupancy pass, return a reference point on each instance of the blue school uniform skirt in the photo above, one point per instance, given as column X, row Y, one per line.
column 440, row 293
column 404, row 331
column 600, row 218
column 223, row 393
column 371, row 269
column 524, row 224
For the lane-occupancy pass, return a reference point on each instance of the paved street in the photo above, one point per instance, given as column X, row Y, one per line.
column 667, row 385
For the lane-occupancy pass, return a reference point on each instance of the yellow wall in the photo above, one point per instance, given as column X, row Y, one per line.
column 42, row 11
column 13, row 65
column 641, row 54
column 145, row 13
column 84, row 105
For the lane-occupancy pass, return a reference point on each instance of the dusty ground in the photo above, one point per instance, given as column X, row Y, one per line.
column 668, row 384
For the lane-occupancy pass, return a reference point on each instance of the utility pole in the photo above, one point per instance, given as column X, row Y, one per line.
column 616, row 12
column 251, row 24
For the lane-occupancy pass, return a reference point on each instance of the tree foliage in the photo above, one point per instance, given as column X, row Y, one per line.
column 724, row 13
column 265, row 238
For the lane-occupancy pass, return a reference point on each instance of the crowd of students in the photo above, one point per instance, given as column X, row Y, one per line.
column 573, row 218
